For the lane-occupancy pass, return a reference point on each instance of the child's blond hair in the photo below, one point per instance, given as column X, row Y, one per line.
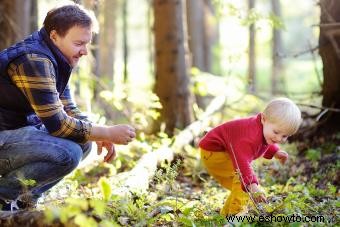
column 285, row 113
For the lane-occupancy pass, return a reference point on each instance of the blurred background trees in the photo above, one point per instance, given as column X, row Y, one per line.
column 329, row 49
column 17, row 19
column 158, row 63
column 162, row 65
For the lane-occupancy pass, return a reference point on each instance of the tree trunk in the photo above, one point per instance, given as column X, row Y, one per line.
column 202, row 36
column 94, row 6
column 33, row 19
column 211, row 34
column 8, row 34
column 125, row 39
column 252, row 52
column 197, row 39
column 277, row 66
column 172, row 81
column 150, row 36
column 202, row 32
column 330, row 54
column 17, row 20
column 23, row 22
column 107, row 41
column 196, row 33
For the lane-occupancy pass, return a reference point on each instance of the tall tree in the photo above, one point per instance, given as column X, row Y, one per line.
column 211, row 34
column 7, row 23
column 202, row 32
column 277, row 65
column 196, row 39
column 196, row 33
column 103, row 51
column 94, row 6
column 125, row 39
column 23, row 22
column 107, row 39
column 171, row 80
column 33, row 17
column 17, row 19
column 329, row 50
column 252, row 52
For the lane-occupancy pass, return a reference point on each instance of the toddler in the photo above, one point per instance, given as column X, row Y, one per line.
column 228, row 150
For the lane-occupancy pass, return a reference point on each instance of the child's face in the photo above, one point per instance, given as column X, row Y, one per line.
column 273, row 133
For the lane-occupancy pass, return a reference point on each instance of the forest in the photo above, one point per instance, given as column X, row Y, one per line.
column 174, row 70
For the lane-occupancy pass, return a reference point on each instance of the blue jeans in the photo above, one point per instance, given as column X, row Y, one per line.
column 30, row 153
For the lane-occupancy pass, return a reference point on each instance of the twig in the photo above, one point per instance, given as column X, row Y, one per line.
column 320, row 107
column 335, row 24
column 243, row 183
column 310, row 50
column 321, row 114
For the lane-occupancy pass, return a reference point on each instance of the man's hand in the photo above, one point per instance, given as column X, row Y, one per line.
column 117, row 134
column 282, row 156
column 111, row 152
column 121, row 134
column 256, row 193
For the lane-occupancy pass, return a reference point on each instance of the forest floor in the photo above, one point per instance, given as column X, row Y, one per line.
column 304, row 192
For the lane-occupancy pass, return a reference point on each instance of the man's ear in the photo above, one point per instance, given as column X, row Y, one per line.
column 53, row 35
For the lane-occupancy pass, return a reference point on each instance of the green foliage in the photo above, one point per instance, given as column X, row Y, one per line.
column 82, row 212
column 276, row 21
column 141, row 107
column 167, row 203
column 251, row 18
column 105, row 188
column 167, row 174
column 27, row 182
column 92, row 173
column 313, row 154
column 182, row 194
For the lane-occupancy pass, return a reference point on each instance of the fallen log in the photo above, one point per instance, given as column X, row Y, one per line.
column 25, row 218
column 137, row 180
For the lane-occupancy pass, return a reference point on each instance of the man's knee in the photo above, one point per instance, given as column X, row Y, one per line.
column 86, row 148
column 71, row 156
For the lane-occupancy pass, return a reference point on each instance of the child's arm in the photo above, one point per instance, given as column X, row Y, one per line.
column 282, row 156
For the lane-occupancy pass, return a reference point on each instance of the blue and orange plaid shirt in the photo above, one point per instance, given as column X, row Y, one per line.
column 35, row 76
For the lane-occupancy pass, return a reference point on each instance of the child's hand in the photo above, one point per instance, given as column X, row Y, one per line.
column 256, row 193
column 282, row 156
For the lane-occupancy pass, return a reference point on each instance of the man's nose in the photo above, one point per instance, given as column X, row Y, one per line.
column 84, row 51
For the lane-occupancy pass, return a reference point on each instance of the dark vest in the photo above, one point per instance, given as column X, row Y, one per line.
column 15, row 110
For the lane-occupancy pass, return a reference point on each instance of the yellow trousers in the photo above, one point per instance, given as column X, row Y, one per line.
column 220, row 167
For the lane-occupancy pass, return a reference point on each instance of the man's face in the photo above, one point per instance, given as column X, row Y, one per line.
column 273, row 133
column 74, row 44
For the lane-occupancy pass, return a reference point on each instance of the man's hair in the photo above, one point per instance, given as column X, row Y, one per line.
column 285, row 113
column 65, row 17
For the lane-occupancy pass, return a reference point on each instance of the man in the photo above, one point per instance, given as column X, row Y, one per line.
column 43, row 135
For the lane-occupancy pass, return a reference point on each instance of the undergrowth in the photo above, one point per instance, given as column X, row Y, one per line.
column 182, row 194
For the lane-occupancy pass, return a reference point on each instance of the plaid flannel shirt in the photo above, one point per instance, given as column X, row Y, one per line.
column 36, row 78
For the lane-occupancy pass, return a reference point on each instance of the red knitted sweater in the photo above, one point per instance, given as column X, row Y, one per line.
column 243, row 140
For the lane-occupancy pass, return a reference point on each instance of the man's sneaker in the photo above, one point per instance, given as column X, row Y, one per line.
column 4, row 205
column 27, row 201
column 16, row 204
